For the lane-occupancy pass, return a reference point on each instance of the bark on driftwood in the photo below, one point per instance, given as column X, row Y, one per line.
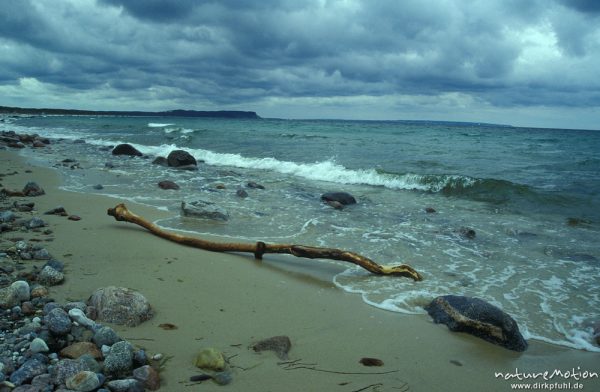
column 121, row 213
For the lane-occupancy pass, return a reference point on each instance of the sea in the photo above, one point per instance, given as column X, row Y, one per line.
column 516, row 218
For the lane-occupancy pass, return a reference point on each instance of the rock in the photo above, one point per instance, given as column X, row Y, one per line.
column 121, row 306
column 58, row 321
column 241, row 193
column 179, row 158
column 84, row 381
column 120, row 358
column 57, row 265
column 210, row 359
column 341, row 197
column 35, row 223
column 147, row 376
column 126, row 385
column 98, row 187
column 254, row 185
column 126, row 149
column 78, row 349
column 21, row 290
column 50, row 277
column 74, row 218
column 140, row 358
column 105, row 336
column 37, row 144
column 430, row 210
column 479, row 318
column 38, row 345
column 65, row 369
column 366, row 361
column 14, row 294
column 162, row 161
column 467, row 232
column 281, row 345
column 7, row 216
column 203, row 209
column 39, row 291
column 60, row 210
column 41, row 254
column 168, row 185
column 79, row 316
column 27, row 371
column 335, row 204
column 33, row 189
column 223, row 378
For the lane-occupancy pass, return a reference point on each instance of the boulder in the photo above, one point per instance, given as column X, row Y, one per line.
column 121, row 306
column 162, row 161
column 479, row 318
column 204, row 210
column 341, row 197
column 179, row 158
column 167, row 184
column 254, row 185
column 33, row 189
column 126, row 149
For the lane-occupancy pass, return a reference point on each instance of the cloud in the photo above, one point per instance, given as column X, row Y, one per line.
column 240, row 54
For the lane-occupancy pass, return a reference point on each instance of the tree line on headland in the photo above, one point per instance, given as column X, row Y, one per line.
column 168, row 113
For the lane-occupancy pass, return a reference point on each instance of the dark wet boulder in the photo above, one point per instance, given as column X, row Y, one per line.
column 254, row 185
column 478, row 318
column 162, row 161
column 180, row 158
column 241, row 193
column 341, row 197
column 167, row 184
column 126, row 149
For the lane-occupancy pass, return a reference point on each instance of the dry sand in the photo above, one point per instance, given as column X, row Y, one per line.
column 230, row 301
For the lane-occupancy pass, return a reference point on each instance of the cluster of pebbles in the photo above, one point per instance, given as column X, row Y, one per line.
column 45, row 345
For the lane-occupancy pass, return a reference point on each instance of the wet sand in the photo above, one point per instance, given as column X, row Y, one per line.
column 230, row 301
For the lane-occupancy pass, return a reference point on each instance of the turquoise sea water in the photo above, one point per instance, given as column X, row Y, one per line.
column 532, row 196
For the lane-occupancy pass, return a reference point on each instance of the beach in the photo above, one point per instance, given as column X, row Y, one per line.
column 231, row 301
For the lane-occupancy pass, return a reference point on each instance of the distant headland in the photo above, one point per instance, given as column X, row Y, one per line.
column 168, row 113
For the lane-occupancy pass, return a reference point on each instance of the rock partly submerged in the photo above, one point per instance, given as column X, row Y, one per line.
column 126, row 149
column 478, row 318
column 203, row 209
column 343, row 198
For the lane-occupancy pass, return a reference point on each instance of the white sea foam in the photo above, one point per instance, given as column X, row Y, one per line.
column 158, row 125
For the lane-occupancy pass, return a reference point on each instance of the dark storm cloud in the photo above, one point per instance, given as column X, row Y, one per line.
column 503, row 53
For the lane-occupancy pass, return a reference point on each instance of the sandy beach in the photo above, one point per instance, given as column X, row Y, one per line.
column 230, row 301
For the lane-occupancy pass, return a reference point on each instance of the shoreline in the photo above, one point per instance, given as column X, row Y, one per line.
column 230, row 301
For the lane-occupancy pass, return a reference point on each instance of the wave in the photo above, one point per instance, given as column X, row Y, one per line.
column 489, row 190
column 158, row 125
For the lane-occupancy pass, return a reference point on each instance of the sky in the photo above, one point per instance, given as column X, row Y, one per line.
column 533, row 63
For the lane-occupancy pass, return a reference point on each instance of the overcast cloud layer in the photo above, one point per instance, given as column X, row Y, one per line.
column 528, row 63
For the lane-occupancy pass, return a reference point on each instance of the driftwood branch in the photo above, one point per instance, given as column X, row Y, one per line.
column 121, row 213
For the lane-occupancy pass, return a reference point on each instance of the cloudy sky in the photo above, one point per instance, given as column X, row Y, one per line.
column 519, row 62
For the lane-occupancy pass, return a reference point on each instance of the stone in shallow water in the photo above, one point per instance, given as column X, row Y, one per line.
column 478, row 318
column 204, row 210
column 341, row 197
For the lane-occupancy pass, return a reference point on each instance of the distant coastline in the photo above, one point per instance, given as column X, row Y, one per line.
column 168, row 113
